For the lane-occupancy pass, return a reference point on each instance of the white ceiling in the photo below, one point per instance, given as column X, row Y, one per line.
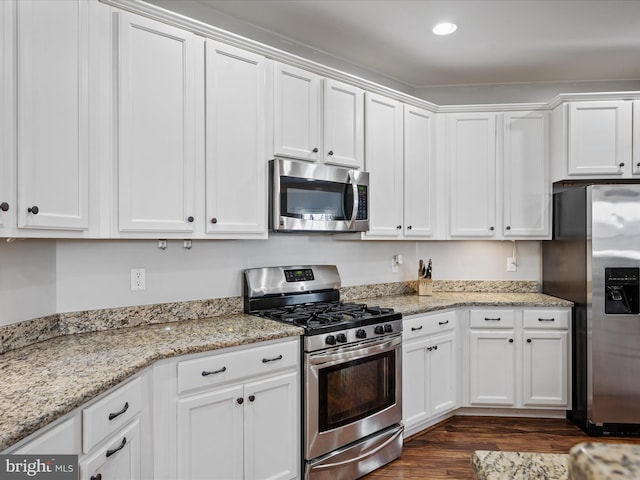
column 497, row 42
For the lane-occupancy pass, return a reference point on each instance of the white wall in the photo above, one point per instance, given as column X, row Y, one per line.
column 27, row 279
column 96, row 274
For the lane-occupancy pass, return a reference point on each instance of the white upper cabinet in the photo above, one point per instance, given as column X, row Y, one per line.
column 156, row 126
column 317, row 119
column 52, row 102
column 498, row 175
column 343, row 124
column 296, row 128
column 527, row 190
column 384, row 162
column 419, row 173
column 236, row 166
column 7, row 115
column 472, row 174
column 594, row 139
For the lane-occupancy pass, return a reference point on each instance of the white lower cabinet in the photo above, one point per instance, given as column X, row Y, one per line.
column 430, row 368
column 519, row 358
column 119, row 457
column 238, row 414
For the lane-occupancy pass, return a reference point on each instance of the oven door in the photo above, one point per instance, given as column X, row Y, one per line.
column 308, row 197
column 351, row 392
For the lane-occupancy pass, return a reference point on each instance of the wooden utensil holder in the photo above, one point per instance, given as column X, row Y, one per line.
column 425, row 286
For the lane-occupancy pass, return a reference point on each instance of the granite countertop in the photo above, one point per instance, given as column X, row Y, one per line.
column 497, row 465
column 611, row 461
column 43, row 381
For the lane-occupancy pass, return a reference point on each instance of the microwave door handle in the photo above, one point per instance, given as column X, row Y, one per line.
column 356, row 200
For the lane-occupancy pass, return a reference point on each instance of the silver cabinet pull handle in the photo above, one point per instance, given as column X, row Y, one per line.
column 117, row 414
column 491, row 319
column 213, row 372
column 546, row 319
column 267, row 360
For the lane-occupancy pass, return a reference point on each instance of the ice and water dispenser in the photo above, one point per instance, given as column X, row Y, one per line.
column 622, row 289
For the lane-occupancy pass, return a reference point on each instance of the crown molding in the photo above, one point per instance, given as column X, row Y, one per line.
column 590, row 97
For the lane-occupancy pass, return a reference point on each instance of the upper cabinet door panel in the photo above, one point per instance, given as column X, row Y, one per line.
column 599, row 137
column 156, row 117
column 296, row 128
column 235, row 160
column 472, row 148
column 527, row 196
column 419, row 172
column 384, row 155
column 52, row 54
column 343, row 124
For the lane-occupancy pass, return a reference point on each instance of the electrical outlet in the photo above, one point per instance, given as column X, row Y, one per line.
column 512, row 266
column 138, row 279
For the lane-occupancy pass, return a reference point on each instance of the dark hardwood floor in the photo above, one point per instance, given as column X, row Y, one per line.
column 445, row 450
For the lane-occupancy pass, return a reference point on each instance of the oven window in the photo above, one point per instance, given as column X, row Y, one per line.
column 315, row 199
column 356, row 389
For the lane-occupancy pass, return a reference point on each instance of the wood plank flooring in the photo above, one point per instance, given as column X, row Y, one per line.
column 445, row 450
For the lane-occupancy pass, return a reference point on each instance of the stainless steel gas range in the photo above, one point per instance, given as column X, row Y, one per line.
column 352, row 368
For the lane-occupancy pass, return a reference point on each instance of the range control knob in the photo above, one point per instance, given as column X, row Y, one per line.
column 341, row 337
column 360, row 333
column 379, row 330
column 330, row 340
column 388, row 328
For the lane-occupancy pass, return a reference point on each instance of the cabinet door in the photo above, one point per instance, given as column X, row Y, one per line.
column 527, row 197
column 210, row 443
column 545, row 365
column 296, row 128
column 235, row 155
column 443, row 373
column 419, row 172
column 492, row 358
column 384, row 152
column 63, row 439
column 599, row 138
column 53, row 114
column 272, row 428
column 118, row 457
column 472, row 174
column 156, row 156
column 415, row 382
column 343, row 124
column 7, row 120
column 636, row 137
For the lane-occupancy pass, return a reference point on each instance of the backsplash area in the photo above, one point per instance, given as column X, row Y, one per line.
column 17, row 335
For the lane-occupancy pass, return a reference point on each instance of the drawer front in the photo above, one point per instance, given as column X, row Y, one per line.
column 492, row 318
column 424, row 325
column 221, row 368
column 546, row 318
column 110, row 413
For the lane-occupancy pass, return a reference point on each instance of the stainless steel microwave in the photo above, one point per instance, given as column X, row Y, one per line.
column 307, row 197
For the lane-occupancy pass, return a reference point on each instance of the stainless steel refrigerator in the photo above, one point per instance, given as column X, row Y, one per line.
column 594, row 261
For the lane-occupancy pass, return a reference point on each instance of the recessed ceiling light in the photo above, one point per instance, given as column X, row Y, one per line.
column 445, row 28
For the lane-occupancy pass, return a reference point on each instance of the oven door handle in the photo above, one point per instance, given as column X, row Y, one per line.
column 352, row 352
column 356, row 200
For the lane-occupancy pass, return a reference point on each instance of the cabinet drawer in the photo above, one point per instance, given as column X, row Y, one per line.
column 110, row 414
column 423, row 325
column 492, row 318
column 220, row 368
column 546, row 319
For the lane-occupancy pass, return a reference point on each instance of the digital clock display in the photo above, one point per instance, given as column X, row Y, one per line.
column 301, row 275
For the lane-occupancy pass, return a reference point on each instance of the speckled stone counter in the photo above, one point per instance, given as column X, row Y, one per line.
column 495, row 465
column 44, row 381
column 81, row 355
column 598, row 461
